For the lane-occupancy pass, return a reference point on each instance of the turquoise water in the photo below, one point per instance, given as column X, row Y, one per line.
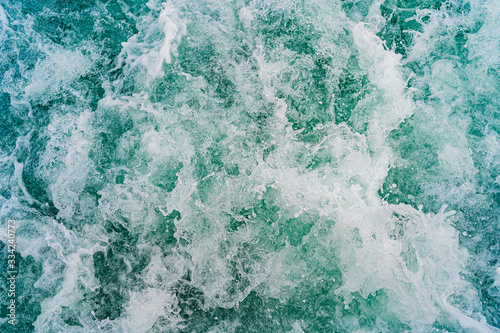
column 251, row 166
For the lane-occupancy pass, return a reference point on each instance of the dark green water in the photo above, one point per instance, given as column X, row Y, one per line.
column 251, row 166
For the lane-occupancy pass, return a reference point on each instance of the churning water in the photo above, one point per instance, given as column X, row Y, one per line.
column 251, row 165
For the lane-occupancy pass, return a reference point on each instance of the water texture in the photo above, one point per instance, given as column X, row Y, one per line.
column 251, row 166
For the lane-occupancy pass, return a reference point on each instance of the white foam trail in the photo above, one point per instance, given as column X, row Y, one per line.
column 385, row 71
column 147, row 51
column 55, row 73
column 418, row 264
column 170, row 30
column 5, row 22
column 3, row 18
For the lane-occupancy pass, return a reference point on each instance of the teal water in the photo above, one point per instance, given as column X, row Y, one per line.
column 251, row 166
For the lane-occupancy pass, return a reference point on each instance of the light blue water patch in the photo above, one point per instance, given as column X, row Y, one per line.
column 250, row 166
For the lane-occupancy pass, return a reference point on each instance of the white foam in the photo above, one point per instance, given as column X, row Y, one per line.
column 56, row 72
column 3, row 18
column 412, row 257
column 145, row 50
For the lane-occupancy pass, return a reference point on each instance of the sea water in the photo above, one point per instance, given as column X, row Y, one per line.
column 251, row 165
